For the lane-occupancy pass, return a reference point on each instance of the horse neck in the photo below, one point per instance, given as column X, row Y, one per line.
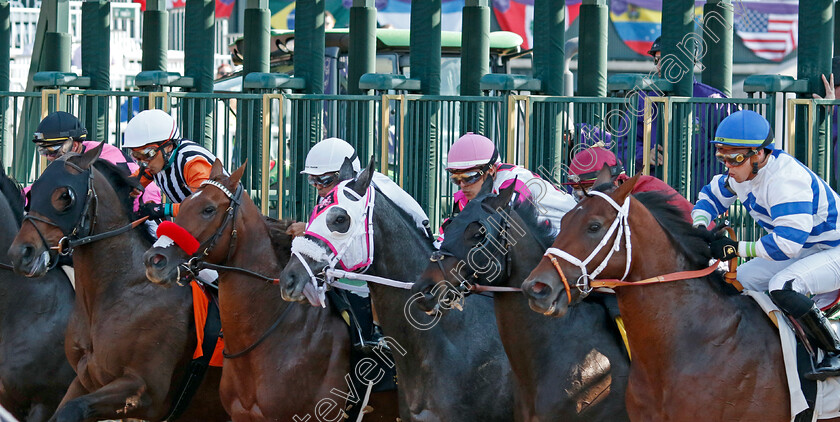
column 653, row 314
column 91, row 261
column 9, row 229
column 403, row 261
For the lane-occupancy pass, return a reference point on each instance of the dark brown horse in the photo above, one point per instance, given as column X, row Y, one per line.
column 284, row 359
column 34, row 372
column 700, row 351
column 561, row 375
column 130, row 342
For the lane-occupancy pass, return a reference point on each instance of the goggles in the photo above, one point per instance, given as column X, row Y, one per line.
column 146, row 154
column 734, row 159
column 51, row 149
column 466, row 178
column 322, row 180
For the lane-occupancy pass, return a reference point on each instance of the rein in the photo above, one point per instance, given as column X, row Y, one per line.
column 587, row 282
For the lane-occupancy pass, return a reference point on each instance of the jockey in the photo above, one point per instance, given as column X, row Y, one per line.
column 798, row 261
column 322, row 169
column 587, row 164
column 61, row 132
column 177, row 165
column 473, row 158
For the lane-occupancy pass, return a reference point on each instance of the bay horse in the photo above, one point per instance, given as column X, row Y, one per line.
column 285, row 360
column 700, row 350
column 34, row 373
column 452, row 369
column 560, row 373
column 130, row 342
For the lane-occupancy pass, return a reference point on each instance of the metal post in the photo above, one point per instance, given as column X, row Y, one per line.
column 155, row 35
column 678, row 45
column 549, row 41
column 717, row 37
column 199, row 43
column 56, row 53
column 816, row 33
column 475, row 61
column 425, row 45
column 549, row 56
column 362, row 54
column 6, row 137
column 592, row 54
column 247, row 142
column 96, row 63
column 257, row 37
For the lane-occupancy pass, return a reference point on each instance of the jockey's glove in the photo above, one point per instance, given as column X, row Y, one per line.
column 155, row 211
column 723, row 248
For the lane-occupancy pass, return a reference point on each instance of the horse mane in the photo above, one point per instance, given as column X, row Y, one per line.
column 123, row 184
column 690, row 241
column 10, row 188
column 543, row 231
column 280, row 241
column 406, row 217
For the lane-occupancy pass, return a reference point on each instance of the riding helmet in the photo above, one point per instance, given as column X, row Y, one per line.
column 471, row 150
column 57, row 127
column 149, row 127
column 744, row 128
column 328, row 155
column 586, row 164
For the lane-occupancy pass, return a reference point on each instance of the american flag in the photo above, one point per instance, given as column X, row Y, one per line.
column 771, row 36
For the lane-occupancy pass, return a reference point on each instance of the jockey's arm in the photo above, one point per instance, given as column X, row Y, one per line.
column 714, row 200
column 196, row 171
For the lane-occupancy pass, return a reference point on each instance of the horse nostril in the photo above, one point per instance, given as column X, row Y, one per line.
column 537, row 289
column 158, row 261
column 26, row 252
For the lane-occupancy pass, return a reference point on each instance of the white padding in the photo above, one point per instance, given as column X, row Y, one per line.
column 163, row 242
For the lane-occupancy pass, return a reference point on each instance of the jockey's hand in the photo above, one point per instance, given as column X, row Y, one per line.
column 154, row 211
column 296, row 229
column 135, row 193
column 724, row 248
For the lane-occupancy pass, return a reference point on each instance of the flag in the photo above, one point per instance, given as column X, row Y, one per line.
column 766, row 29
column 639, row 22
column 397, row 13
column 224, row 8
column 518, row 16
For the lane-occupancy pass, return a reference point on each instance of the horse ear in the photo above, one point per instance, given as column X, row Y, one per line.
column 604, row 176
column 89, row 157
column 217, row 170
column 625, row 189
column 237, row 175
column 364, row 178
column 503, row 198
column 346, row 172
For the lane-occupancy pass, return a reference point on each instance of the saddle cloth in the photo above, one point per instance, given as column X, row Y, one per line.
column 827, row 404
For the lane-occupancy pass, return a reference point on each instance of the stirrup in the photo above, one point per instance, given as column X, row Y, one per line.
column 828, row 367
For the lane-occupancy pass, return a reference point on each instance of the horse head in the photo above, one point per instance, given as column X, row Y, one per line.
column 339, row 234
column 62, row 205
column 586, row 236
column 475, row 250
column 203, row 228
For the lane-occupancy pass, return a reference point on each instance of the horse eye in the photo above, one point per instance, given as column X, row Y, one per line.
column 594, row 227
column 340, row 219
column 209, row 210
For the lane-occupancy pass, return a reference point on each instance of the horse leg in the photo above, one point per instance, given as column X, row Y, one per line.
column 39, row 412
column 118, row 399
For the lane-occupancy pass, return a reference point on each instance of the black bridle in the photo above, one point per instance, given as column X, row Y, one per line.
column 82, row 229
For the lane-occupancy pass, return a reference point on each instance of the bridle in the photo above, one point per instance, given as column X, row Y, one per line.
column 81, row 232
column 196, row 262
column 620, row 226
column 503, row 239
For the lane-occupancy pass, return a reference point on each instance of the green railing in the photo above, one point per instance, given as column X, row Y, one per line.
column 409, row 135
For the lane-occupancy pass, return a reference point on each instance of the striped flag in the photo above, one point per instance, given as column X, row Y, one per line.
column 518, row 16
column 767, row 33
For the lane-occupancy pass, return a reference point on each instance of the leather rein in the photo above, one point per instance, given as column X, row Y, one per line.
column 587, row 282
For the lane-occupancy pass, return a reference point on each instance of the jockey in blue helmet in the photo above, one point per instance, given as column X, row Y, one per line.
column 798, row 260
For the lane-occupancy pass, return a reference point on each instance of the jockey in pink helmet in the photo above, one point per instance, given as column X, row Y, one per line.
column 473, row 158
column 586, row 165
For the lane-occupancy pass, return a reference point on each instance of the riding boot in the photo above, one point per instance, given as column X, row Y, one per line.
column 815, row 325
column 366, row 334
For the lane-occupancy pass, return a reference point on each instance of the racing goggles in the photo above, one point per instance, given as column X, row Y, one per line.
column 466, row 178
column 146, row 154
column 734, row 159
column 322, row 180
column 51, row 149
